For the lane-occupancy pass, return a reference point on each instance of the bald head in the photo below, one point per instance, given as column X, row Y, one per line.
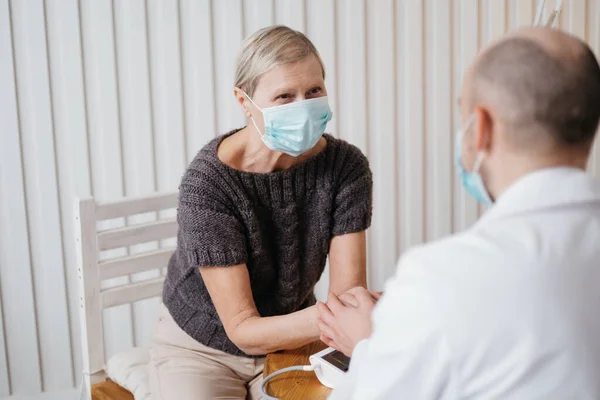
column 542, row 84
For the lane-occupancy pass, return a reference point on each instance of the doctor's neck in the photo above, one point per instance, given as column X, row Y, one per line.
column 507, row 168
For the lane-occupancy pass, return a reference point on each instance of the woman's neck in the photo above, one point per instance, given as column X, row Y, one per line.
column 245, row 151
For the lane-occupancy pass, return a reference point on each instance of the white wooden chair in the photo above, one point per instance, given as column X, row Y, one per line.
column 91, row 241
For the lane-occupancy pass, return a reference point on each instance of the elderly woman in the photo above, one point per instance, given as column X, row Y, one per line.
column 260, row 209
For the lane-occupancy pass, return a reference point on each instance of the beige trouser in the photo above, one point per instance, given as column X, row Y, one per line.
column 183, row 369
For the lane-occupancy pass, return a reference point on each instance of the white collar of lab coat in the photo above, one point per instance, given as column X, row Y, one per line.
column 546, row 188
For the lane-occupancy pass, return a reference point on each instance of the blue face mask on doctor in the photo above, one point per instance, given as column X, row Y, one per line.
column 471, row 181
column 296, row 127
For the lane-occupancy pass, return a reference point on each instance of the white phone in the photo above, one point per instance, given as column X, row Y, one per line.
column 330, row 366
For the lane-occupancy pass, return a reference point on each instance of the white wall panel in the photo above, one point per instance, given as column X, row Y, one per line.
column 43, row 213
column 21, row 334
column 137, row 133
column 258, row 14
column 167, row 94
column 291, row 13
column 111, row 98
column 4, row 379
column 497, row 19
column 198, row 70
column 352, row 86
column 381, row 96
column 438, row 127
column 322, row 32
column 227, row 24
column 523, row 13
column 411, row 150
column 71, row 138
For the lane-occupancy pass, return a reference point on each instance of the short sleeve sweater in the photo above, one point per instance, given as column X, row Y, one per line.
column 279, row 224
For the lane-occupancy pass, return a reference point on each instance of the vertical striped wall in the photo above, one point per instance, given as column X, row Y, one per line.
column 114, row 98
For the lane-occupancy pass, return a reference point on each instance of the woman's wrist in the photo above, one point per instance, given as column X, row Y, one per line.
column 268, row 334
column 313, row 316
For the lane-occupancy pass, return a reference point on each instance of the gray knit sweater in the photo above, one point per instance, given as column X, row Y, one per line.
column 279, row 224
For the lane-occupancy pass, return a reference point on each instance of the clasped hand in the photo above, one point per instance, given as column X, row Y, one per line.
column 346, row 319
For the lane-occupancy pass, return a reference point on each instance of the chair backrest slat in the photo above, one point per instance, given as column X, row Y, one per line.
column 142, row 233
column 142, row 262
column 136, row 205
column 132, row 292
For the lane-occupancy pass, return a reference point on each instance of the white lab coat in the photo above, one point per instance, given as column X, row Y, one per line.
column 509, row 309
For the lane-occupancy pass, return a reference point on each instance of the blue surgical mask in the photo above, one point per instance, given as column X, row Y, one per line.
column 294, row 128
column 471, row 181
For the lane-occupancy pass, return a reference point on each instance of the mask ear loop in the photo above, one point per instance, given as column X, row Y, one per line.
column 251, row 117
column 480, row 154
column 464, row 129
column 478, row 160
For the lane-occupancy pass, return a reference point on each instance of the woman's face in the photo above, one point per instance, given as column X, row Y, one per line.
column 285, row 84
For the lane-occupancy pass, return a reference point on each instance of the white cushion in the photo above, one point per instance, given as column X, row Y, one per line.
column 129, row 369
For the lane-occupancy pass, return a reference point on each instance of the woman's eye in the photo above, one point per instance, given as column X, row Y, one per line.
column 315, row 90
column 284, row 96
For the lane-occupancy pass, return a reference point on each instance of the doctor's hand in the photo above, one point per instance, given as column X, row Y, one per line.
column 344, row 324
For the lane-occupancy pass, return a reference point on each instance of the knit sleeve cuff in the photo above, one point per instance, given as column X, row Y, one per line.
column 356, row 222
column 215, row 258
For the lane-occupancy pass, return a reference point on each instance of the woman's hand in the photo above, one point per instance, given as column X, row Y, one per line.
column 345, row 322
column 348, row 297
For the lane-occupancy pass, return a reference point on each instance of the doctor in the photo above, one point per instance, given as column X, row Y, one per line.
column 509, row 309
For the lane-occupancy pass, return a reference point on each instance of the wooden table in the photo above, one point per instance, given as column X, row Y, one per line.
column 108, row 390
column 296, row 384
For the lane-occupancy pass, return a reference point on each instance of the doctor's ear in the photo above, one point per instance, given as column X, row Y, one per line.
column 483, row 126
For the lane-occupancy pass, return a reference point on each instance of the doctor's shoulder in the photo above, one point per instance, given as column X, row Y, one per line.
column 438, row 259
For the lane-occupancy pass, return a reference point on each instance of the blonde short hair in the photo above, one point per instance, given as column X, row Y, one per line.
column 269, row 48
